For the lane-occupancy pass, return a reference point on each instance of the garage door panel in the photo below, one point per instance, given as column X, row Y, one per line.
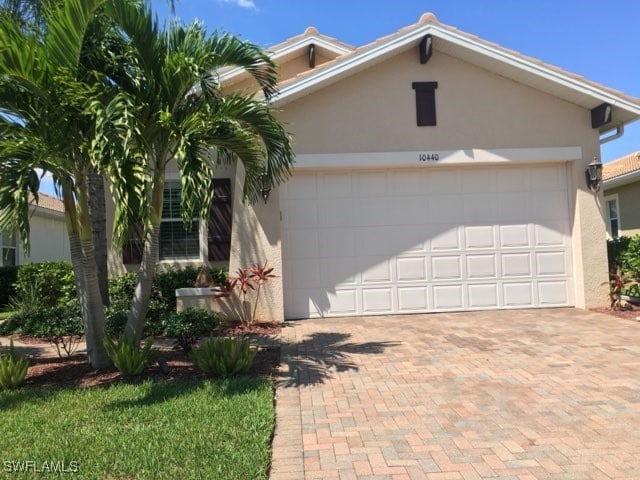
column 304, row 187
column 514, row 236
column 301, row 213
column 343, row 302
column 375, row 269
column 334, row 212
column 447, row 297
column 483, row 296
column 518, row 294
column 482, row 207
column 433, row 239
column 306, row 273
column 553, row 293
column 334, row 186
column 549, row 234
column 411, row 269
column 548, row 177
column 343, row 272
column 412, row 299
column 335, row 242
column 513, row 207
column 370, row 184
column 445, row 238
column 481, row 266
column 477, row 181
column 302, row 244
column 446, row 267
column 516, row 265
column 377, row 300
column 442, row 208
column 548, row 206
column 481, row 236
column 551, row 263
column 512, row 180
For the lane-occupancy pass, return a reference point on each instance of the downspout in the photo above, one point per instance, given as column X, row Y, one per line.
column 619, row 132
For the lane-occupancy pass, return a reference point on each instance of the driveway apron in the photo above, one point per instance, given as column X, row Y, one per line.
column 529, row 394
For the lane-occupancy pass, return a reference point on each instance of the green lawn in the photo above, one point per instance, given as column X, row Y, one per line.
column 199, row 430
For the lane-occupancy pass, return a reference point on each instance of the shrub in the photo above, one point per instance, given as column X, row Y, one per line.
column 61, row 325
column 247, row 280
column 55, row 280
column 169, row 280
column 27, row 298
column 13, row 369
column 630, row 257
column 8, row 277
column 121, row 291
column 224, row 356
column 624, row 255
column 189, row 325
column 115, row 321
column 126, row 355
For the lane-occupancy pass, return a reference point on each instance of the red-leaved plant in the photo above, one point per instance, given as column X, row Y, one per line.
column 247, row 280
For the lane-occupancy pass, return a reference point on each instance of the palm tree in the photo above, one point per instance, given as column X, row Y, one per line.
column 44, row 125
column 183, row 116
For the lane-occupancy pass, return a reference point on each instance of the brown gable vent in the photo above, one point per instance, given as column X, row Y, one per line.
column 312, row 56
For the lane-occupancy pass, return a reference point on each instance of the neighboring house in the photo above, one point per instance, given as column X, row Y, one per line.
column 48, row 235
column 621, row 185
column 435, row 171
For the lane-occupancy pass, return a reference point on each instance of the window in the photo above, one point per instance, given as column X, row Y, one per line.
column 613, row 215
column 425, row 103
column 177, row 241
column 9, row 249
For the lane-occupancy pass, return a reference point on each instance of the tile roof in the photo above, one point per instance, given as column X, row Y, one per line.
column 48, row 202
column 621, row 166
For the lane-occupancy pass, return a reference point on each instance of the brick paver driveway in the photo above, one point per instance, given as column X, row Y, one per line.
column 507, row 395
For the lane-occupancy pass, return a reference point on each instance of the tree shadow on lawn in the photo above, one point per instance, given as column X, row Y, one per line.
column 312, row 360
column 163, row 391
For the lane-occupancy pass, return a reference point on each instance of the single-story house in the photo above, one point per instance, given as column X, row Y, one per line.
column 621, row 185
column 48, row 236
column 435, row 171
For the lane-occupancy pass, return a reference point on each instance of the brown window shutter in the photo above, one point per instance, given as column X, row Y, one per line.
column 425, row 103
column 219, row 225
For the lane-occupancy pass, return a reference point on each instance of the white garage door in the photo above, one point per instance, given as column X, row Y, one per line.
column 428, row 240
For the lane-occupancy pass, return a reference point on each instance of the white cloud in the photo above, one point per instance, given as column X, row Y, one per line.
column 240, row 3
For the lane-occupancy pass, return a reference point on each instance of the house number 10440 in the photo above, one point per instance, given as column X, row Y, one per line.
column 428, row 157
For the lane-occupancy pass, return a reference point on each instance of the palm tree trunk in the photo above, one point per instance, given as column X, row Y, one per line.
column 142, row 294
column 84, row 269
column 96, row 320
column 95, row 184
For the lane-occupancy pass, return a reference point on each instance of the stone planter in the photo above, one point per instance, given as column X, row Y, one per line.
column 207, row 298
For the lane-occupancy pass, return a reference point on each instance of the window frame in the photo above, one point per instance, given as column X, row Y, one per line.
column 612, row 198
column 13, row 247
column 197, row 225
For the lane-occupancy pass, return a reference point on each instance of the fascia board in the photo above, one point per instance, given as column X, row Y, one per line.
column 292, row 91
column 290, row 49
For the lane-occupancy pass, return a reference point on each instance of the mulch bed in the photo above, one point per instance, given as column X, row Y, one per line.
column 74, row 371
column 629, row 314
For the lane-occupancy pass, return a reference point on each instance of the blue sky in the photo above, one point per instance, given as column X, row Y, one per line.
column 585, row 37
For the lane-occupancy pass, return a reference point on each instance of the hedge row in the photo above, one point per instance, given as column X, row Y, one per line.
column 54, row 284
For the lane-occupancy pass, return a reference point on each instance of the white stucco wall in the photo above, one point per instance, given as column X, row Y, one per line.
column 48, row 238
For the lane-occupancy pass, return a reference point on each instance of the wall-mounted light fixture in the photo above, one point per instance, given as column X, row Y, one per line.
column 594, row 175
column 265, row 188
